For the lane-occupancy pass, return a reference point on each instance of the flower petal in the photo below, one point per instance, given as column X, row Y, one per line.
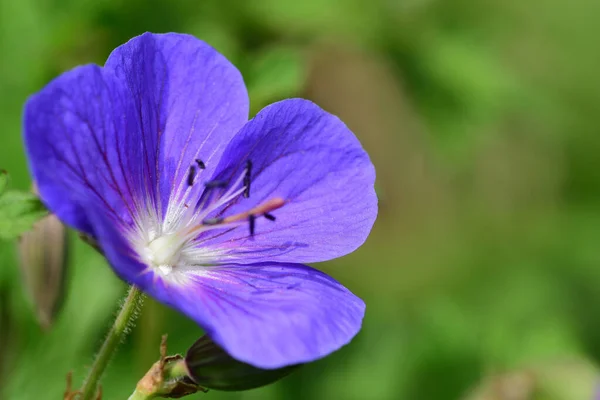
column 267, row 315
column 312, row 160
column 78, row 150
column 189, row 95
column 127, row 133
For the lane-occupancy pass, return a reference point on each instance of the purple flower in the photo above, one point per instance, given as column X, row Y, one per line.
column 153, row 156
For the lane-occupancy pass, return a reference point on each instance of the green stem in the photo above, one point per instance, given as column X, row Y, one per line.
column 116, row 334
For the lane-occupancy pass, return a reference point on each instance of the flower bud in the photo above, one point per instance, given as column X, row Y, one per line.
column 210, row 366
column 42, row 254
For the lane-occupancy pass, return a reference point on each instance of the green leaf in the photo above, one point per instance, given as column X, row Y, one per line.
column 18, row 210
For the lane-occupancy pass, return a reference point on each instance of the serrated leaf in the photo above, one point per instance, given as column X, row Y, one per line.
column 18, row 212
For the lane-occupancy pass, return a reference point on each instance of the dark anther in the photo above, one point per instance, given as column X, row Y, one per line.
column 270, row 217
column 252, row 220
column 212, row 221
column 191, row 176
column 215, row 184
column 200, row 163
column 247, row 178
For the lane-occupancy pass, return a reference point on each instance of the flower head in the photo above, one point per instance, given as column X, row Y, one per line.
column 153, row 157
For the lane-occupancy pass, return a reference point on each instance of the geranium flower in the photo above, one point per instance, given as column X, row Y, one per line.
column 153, row 156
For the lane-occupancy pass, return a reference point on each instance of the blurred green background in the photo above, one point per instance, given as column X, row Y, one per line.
column 482, row 274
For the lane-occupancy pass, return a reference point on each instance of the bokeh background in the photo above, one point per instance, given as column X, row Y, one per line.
column 482, row 274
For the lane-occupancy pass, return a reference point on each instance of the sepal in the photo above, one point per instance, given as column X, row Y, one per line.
column 210, row 366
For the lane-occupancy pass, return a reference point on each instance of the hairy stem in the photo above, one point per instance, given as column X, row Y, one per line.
column 116, row 334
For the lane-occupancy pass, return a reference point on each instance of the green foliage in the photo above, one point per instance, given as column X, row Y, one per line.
column 18, row 210
column 275, row 74
column 3, row 181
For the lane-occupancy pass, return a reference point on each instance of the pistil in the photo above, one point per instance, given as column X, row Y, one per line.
column 165, row 251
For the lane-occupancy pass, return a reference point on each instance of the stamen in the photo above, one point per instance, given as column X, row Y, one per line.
column 215, row 184
column 269, row 205
column 191, row 176
column 234, row 220
column 211, row 200
column 252, row 220
column 212, row 221
column 247, row 178
column 178, row 243
column 207, row 196
column 270, row 217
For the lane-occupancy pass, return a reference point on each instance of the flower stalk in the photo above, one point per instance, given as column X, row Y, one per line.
column 117, row 332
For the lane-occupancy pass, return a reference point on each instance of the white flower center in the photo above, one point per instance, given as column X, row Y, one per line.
column 164, row 251
column 170, row 247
